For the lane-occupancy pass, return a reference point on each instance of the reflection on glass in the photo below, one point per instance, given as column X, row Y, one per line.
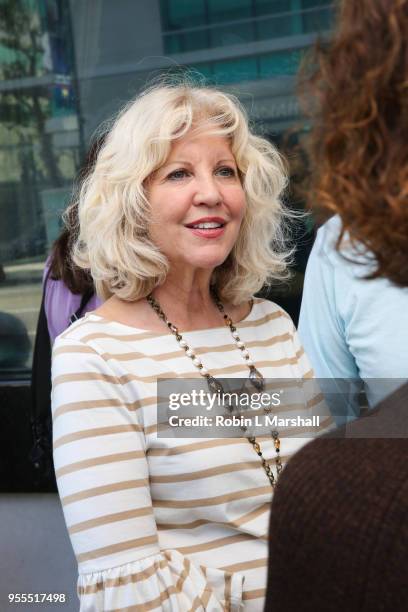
column 55, row 90
column 225, row 23
column 39, row 154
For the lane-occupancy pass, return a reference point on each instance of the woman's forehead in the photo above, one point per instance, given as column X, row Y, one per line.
column 198, row 144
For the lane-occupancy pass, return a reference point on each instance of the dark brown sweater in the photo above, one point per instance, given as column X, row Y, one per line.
column 339, row 520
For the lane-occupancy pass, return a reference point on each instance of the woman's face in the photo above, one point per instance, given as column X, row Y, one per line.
column 197, row 202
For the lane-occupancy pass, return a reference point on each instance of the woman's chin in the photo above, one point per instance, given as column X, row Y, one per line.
column 207, row 263
column 200, row 259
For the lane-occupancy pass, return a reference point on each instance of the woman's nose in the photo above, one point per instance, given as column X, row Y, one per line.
column 207, row 192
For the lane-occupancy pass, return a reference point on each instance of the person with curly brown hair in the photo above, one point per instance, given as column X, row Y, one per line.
column 338, row 536
column 354, row 315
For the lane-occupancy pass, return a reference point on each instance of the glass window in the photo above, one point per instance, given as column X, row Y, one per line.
column 275, row 27
column 240, row 34
column 173, row 44
column 203, row 71
column 39, row 156
column 280, row 63
column 315, row 3
column 195, row 40
column 268, row 7
column 233, row 71
column 179, row 14
column 318, row 20
column 187, row 41
column 228, row 10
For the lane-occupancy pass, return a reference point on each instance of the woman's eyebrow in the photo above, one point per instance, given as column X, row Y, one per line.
column 189, row 163
column 183, row 162
column 227, row 159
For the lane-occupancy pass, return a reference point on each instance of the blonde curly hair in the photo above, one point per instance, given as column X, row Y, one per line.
column 113, row 209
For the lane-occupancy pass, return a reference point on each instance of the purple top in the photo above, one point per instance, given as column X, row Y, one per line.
column 60, row 304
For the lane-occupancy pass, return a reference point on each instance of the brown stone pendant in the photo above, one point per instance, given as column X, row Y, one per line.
column 256, row 378
column 214, row 385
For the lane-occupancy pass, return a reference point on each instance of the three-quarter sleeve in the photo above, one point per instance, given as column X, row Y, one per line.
column 103, row 483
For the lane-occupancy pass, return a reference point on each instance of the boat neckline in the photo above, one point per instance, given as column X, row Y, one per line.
column 92, row 316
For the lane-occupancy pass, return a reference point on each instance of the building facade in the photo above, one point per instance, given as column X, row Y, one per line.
column 68, row 66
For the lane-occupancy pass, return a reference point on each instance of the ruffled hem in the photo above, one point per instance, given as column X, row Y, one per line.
column 167, row 582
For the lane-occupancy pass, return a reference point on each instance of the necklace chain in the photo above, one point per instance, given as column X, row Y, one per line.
column 215, row 386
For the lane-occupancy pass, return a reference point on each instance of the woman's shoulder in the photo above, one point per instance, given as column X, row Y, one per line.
column 83, row 330
column 107, row 331
column 265, row 304
column 97, row 334
column 265, row 311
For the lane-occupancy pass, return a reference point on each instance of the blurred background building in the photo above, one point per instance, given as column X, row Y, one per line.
column 68, row 65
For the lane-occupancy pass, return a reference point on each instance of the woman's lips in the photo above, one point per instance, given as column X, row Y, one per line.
column 207, row 233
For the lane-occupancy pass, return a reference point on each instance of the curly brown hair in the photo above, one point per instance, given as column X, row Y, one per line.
column 355, row 88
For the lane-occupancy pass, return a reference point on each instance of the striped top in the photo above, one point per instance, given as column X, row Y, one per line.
column 163, row 523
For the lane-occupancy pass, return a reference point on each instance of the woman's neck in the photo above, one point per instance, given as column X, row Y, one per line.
column 188, row 305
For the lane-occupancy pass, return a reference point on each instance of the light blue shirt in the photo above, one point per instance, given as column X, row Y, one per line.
column 351, row 327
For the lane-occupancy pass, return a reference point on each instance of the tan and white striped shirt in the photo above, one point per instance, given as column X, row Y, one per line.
column 163, row 523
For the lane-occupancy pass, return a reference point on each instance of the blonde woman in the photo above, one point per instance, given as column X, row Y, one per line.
column 179, row 224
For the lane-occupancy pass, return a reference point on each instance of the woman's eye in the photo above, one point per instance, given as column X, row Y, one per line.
column 176, row 175
column 226, row 171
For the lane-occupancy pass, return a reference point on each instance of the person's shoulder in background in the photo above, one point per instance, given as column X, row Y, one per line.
column 351, row 256
column 60, row 303
column 327, row 301
column 351, row 326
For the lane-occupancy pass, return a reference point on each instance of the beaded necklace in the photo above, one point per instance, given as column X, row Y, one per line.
column 214, row 385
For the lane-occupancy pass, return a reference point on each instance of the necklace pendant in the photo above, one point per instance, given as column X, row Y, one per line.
column 214, row 385
column 256, row 378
